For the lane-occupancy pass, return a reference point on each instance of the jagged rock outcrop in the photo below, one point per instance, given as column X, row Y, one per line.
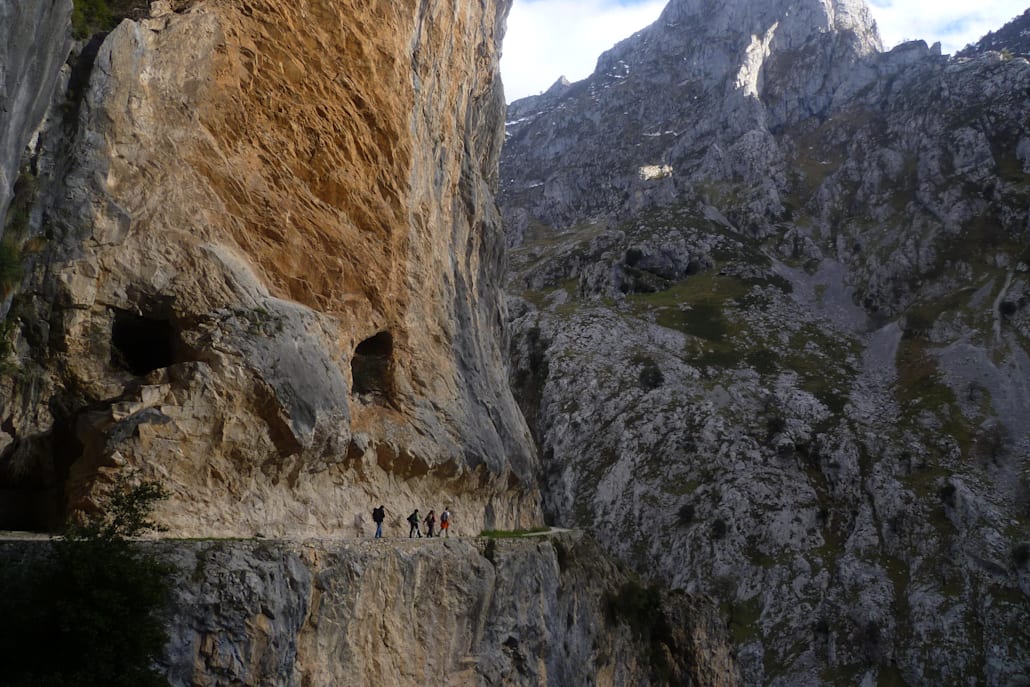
column 770, row 331
column 530, row 611
column 263, row 270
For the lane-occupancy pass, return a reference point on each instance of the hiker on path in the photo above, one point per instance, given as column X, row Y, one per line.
column 445, row 522
column 378, row 515
column 430, row 522
column 414, row 520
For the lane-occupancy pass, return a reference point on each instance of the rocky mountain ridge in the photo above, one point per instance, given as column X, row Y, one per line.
column 1013, row 38
column 769, row 290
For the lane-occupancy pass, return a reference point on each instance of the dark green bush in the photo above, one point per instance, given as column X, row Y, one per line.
column 90, row 610
column 635, row 605
column 685, row 515
column 640, row 607
column 94, row 16
column 10, row 266
column 91, row 16
column 651, row 376
column 1021, row 554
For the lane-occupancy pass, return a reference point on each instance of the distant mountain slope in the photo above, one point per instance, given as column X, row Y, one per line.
column 771, row 316
column 1013, row 37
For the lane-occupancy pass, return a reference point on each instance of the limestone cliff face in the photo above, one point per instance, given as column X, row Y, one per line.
column 529, row 611
column 265, row 267
column 36, row 42
column 456, row 613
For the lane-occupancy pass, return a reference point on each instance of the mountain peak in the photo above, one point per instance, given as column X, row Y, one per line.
column 802, row 16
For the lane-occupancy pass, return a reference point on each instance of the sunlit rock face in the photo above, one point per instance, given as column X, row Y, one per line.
column 261, row 268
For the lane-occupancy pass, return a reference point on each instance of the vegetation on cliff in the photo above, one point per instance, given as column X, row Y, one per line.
column 93, row 16
column 90, row 610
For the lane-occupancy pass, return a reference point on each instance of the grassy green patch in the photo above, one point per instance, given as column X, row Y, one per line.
column 507, row 534
column 820, row 357
column 921, row 389
column 743, row 620
column 921, row 317
column 889, row 675
column 694, row 306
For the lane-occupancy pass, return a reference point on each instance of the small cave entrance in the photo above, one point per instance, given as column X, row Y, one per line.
column 372, row 367
column 142, row 344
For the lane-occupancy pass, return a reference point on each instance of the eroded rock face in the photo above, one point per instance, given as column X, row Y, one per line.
column 483, row 612
column 266, row 274
column 529, row 611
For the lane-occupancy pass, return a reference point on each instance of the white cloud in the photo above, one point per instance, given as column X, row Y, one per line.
column 551, row 38
column 547, row 39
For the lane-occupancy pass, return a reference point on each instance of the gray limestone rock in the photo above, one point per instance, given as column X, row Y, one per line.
column 36, row 39
column 818, row 423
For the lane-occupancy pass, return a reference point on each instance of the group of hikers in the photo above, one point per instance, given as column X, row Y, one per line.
column 415, row 519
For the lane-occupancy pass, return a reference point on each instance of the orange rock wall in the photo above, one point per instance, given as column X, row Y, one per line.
column 259, row 186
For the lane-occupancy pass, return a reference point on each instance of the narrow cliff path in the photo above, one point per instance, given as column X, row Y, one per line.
column 18, row 535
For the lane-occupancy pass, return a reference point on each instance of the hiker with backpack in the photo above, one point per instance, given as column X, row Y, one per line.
column 430, row 522
column 445, row 522
column 378, row 515
column 414, row 520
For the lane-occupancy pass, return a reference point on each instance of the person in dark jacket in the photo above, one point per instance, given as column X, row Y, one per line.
column 414, row 519
column 430, row 523
column 378, row 515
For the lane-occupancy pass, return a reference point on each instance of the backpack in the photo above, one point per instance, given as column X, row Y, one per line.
column 413, row 518
column 378, row 515
column 445, row 516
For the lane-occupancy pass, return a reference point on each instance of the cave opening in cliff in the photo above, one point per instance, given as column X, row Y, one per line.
column 142, row 344
column 372, row 367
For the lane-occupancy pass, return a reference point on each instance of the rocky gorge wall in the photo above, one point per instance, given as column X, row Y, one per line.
column 261, row 268
column 529, row 611
column 770, row 329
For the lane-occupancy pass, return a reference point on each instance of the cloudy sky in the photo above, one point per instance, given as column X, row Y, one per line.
column 550, row 38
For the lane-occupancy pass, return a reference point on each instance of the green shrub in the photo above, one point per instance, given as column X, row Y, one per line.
column 89, row 17
column 10, row 266
column 95, row 16
column 651, row 376
column 90, row 611
column 640, row 607
column 635, row 605
column 686, row 513
column 1021, row 555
